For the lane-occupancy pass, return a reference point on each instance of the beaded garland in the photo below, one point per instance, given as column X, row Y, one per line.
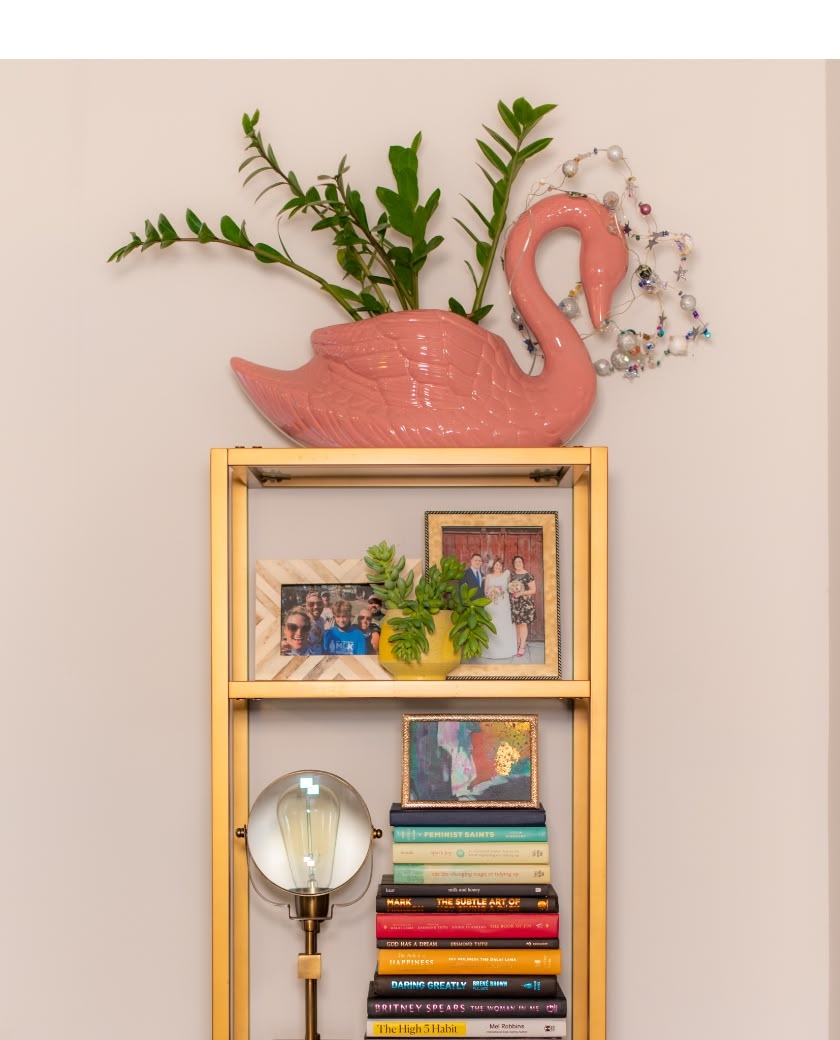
column 633, row 351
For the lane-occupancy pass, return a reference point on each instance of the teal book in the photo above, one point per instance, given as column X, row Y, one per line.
column 465, row 834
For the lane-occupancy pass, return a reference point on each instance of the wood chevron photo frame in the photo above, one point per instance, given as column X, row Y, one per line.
column 293, row 643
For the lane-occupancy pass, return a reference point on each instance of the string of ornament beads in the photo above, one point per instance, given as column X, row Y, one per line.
column 679, row 325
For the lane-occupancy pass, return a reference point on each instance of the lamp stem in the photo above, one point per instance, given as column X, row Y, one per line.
column 310, row 931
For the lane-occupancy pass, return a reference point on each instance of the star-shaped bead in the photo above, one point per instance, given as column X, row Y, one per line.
column 680, row 273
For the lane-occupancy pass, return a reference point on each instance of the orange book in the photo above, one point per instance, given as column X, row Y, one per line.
column 469, row 962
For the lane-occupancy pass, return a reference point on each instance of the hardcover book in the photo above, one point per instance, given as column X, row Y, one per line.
column 468, row 1027
column 388, row 887
column 447, row 873
column 467, row 944
column 470, row 852
column 466, row 904
column 431, row 833
column 468, row 816
column 465, row 985
column 467, row 1007
column 469, row 962
column 467, row 926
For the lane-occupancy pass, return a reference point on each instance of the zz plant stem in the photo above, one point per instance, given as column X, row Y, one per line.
column 381, row 260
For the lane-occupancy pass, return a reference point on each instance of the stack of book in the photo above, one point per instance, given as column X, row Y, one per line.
column 467, row 932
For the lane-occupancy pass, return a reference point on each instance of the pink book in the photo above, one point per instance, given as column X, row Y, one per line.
column 467, row 926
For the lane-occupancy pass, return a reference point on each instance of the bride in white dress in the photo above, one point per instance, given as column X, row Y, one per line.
column 503, row 643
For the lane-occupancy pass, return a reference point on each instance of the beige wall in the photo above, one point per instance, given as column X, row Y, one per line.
column 116, row 384
column 833, row 223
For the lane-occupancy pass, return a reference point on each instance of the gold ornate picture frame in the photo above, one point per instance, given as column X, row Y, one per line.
column 485, row 761
column 504, row 536
column 282, row 586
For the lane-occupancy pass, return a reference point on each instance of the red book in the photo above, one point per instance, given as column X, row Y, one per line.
column 467, row 926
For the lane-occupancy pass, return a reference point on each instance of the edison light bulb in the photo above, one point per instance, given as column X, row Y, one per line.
column 308, row 817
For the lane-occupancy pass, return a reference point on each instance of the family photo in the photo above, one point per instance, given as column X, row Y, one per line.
column 317, row 619
column 329, row 619
column 511, row 559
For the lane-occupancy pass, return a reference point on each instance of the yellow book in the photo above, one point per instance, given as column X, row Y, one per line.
column 470, row 1027
column 469, row 962
column 475, row 852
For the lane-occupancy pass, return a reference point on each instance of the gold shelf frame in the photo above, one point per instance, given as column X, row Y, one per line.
column 237, row 472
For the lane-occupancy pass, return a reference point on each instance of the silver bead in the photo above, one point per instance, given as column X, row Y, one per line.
column 626, row 341
column 688, row 302
column 620, row 361
column 603, row 367
column 570, row 167
column 611, row 199
column 570, row 307
column 677, row 345
column 615, row 153
column 515, row 316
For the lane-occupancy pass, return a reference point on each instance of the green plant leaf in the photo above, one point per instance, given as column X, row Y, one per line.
column 508, row 147
column 404, row 167
column 536, row 146
column 230, row 230
column 490, row 155
column 193, row 222
column 509, row 119
column 400, row 214
column 523, row 112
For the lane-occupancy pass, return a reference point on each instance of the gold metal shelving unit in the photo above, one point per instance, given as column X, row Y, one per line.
column 236, row 474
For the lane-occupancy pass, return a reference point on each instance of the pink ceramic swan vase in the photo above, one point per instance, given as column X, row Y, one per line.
column 429, row 378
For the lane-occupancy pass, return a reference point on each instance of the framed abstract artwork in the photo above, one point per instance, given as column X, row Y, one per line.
column 469, row 760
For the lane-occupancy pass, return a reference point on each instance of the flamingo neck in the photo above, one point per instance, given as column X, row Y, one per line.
column 561, row 344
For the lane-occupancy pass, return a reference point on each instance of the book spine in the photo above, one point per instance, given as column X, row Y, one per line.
column 467, row 944
column 466, row 904
column 475, row 852
column 466, row 816
column 478, row 1007
column 388, row 887
column 470, row 834
column 466, row 985
column 447, row 873
column 466, row 926
column 469, row 962
column 468, row 1027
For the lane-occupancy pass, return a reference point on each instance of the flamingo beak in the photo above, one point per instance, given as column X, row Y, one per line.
column 603, row 266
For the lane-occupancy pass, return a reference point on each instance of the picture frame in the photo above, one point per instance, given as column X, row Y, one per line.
column 282, row 586
column 463, row 761
column 533, row 536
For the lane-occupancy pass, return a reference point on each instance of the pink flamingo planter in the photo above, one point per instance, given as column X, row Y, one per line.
column 430, row 378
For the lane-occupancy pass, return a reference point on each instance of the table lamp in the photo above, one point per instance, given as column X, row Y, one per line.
column 309, row 834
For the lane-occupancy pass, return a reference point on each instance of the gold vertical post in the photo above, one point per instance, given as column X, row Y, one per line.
column 598, row 750
column 239, row 636
column 580, row 777
column 220, row 744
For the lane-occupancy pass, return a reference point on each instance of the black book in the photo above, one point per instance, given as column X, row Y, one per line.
column 455, row 1005
column 389, row 888
column 466, row 904
column 466, row 817
column 437, row 986
column 468, row 944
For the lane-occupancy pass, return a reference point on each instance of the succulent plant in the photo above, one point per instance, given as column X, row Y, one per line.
column 440, row 588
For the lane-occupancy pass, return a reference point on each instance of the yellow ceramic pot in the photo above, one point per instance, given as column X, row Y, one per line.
column 441, row 659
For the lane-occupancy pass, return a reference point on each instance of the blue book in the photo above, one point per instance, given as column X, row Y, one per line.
column 468, row 816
